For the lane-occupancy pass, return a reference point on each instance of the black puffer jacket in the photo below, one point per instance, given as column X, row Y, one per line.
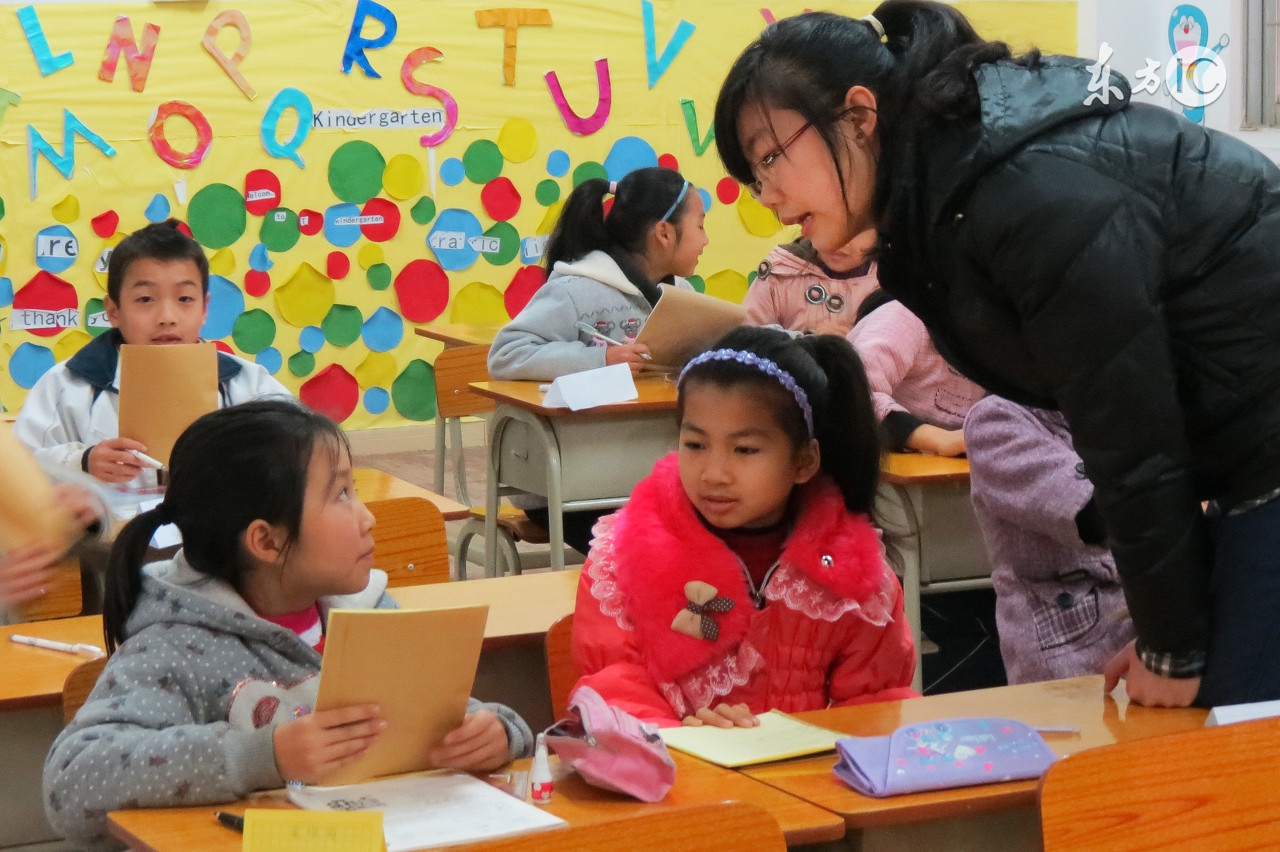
column 1123, row 265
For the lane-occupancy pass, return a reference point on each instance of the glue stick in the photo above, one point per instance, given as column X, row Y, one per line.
column 540, row 782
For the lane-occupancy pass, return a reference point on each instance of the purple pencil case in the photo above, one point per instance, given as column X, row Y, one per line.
column 941, row 755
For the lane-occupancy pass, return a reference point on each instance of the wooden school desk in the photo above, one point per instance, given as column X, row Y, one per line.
column 513, row 660
column 378, row 485
column 924, row 505
column 576, row 459
column 994, row 816
column 460, row 334
column 31, row 717
column 697, row 783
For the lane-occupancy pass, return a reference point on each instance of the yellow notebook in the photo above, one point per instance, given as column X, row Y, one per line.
column 778, row 737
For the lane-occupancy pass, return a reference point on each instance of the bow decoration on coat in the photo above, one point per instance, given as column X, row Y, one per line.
column 695, row 619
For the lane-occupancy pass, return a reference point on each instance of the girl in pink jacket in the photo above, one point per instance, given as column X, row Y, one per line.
column 802, row 291
column 745, row 573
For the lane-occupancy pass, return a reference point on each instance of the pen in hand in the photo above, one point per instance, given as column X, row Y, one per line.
column 51, row 645
column 146, row 460
column 604, row 338
column 231, row 821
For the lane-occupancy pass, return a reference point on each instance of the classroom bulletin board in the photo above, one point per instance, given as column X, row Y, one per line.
column 354, row 168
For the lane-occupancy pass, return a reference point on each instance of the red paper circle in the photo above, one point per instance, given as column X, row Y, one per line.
column 257, row 283
column 263, row 184
column 310, row 222
column 46, row 292
column 185, row 228
column 380, row 232
column 669, row 161
column 423, row 290
column 500, row 198
column 333, row 392
column 223, row 347
column 337, row 265
column 105, row 224
column 727, row 190
column 523, row 285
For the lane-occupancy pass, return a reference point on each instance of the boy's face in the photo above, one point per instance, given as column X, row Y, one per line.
column 161, row 302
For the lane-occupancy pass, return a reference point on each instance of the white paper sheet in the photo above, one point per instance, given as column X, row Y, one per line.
column 1231, row 713
column 428, row 810
column 591, row 388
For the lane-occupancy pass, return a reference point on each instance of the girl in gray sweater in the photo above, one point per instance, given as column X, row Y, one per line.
column 217, row 651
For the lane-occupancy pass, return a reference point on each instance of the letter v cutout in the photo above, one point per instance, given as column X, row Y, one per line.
column 691, row 124
column 658, row 65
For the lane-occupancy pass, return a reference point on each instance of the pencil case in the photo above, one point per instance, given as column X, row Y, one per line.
column 612, row 749
column 941, row 755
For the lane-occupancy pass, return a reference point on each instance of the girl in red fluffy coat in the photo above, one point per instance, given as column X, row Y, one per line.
column 745, row 573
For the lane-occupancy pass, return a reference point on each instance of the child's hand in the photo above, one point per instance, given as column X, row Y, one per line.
column 723, row 716
column 311, row 748
column 479, row 744
column 938, row 442
column 79, row 502
column 627, row 353
column 111, row 461
column 24, row 572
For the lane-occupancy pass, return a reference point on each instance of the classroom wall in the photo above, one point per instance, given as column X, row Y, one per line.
column 330, row 237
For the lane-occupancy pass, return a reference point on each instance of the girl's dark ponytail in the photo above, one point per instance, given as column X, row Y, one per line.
column 124, row 572
column 580, row 229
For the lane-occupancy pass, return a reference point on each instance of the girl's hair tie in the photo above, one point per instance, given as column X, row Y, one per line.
column 613, row 187
column 875, row 24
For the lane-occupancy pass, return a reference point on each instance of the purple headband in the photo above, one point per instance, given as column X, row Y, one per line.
column 764, row 365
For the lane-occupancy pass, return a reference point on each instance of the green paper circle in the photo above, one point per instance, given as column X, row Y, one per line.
column 1, row 208
column 378, row 276
column 510, row 246
column 588, row 170
column 698, row 283
column 216, row 216
column 751, row 277
column 254, row 331
column 91, row 307
column 277, row 234
column 424, row 211
column 355, row 171
column 414, row 391
column 547, row 193
column 341, row 326
column 482, row 161
column 302, row 363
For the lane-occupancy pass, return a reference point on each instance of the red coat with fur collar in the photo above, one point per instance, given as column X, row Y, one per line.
column 831, row 630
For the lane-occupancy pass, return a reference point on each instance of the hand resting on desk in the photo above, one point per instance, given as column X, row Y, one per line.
column 1146, row 687
column 723, row 716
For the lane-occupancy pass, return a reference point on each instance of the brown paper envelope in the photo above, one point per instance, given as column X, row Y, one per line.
column 417, row 665
column 686, row 322
column 29, row 512
column 163, row 389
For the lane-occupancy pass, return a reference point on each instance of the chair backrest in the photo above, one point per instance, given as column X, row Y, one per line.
column 1208, row 788
column 78, row 685
column 706, row 828
column 455, row 368
column 62, row 594
column 409, row 541
column 561, row 672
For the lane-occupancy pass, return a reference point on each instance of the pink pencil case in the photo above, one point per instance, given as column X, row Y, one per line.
column 941, row 755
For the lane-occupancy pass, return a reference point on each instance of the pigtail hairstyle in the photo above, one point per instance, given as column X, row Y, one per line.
column 921, row 72
column 831, row 375
column 228, row 469
column 642, row 199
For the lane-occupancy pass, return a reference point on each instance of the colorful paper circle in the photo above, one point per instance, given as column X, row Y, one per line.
column 588, row 170
column 333, row 392
column 376, row 400
column 226, row 302
column 311, row 339
column 518, row 140
column 258, row 259
column 558, row 163
column 547, row 192
column 450, row 238
column 422, row 289
column 302, row 363
column 269, row 359
column 628, row 154
column 157, row 209
column 310, row 222
column 342, row 325
column 523, row 285
column 424, row 210
column 56, row 248
column 254, row 331
column 508, row 245
column 261, row 191
column 355, row 171
column 383, row 331
column 728, row 190
column 217, row 216
column 29, row 362
column 257, row 283
column 413, row 391
column 452, row 172
column 378, row 276
column 501, row 199
column 669, row 161
column 379, row 220
column 279, row 229
column 403, row 177
column 342, row 225
column 337, row 265
column 482, row 161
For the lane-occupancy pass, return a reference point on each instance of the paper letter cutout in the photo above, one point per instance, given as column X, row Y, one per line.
column 511, row 20
column 8, row 99
column 358, row 44
column 166, row 152
column 575, row 123
column 691, row 124
column 418, row 57
column 658, row 65
column 40, row 45
column 230, row 64
column 139, row 61
column 287, row 99
column 66, row 161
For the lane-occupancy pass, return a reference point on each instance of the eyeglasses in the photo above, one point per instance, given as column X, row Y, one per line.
column 761, row 169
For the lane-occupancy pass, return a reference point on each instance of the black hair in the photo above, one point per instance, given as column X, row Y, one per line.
column 877, row 298
column 643, row 197
column 159, row 241
column 921, row 72
column 229, row 468
column 831, row 374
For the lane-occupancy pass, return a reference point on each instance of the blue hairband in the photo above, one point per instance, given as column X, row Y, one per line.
column 764, row 365
column 676, row 203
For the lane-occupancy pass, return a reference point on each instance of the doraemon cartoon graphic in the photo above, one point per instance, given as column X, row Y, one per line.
column 1196, row 73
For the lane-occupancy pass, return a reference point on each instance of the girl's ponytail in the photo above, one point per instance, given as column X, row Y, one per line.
column 124, row 572
column 580, row 229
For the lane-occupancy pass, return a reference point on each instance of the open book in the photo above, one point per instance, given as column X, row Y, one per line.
column 778, row 737
column 684, row 323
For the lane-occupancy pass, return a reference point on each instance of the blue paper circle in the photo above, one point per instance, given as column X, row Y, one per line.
column 259, row 259
column 628, row 154
column 311, row 339
column 346, row 233
column 226, row 302
column 376, row 400
column 706, row 198
column 454, row 254
column 6, row 292
column 270, row 359
column 383, row 331
column 56, row 248
column 158, row 208
column 452, row 171
column 29, row 362
column 558, row 163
